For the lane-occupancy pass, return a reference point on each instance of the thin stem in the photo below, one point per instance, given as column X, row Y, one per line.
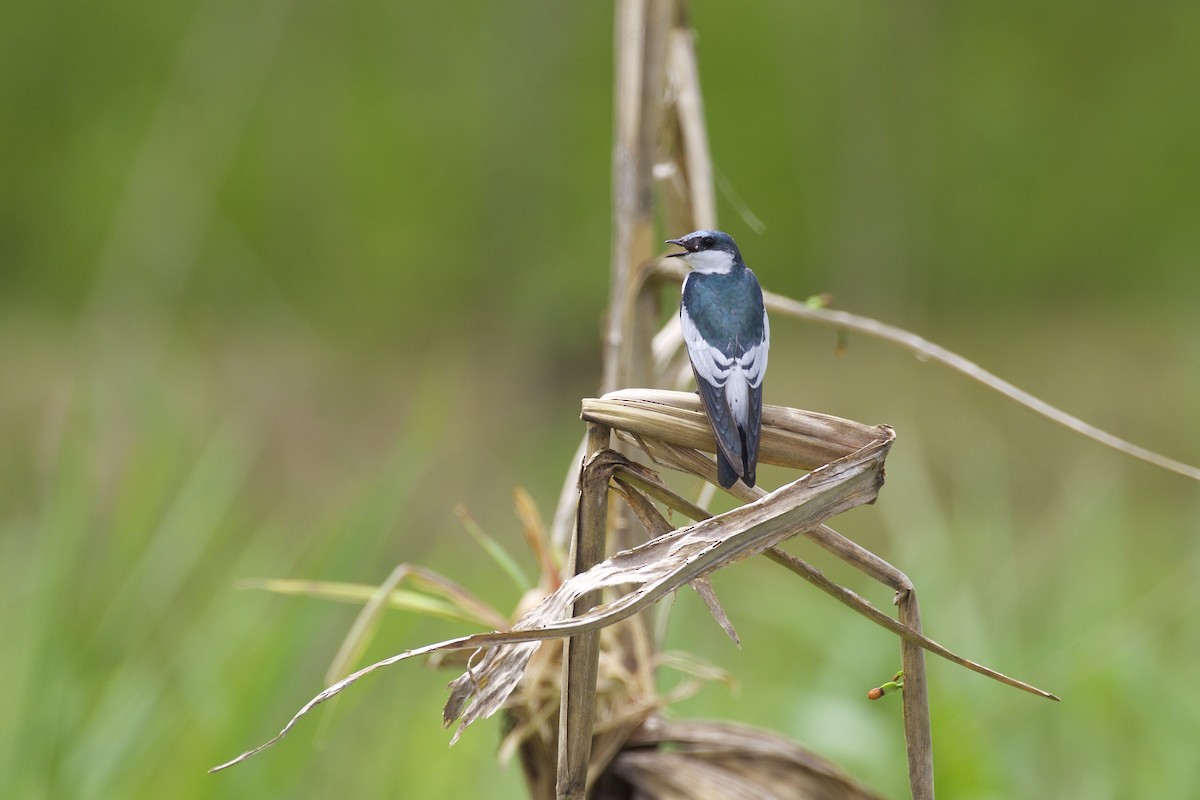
column 927, row 350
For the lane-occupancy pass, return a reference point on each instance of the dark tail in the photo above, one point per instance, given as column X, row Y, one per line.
column 726, row 475
column 748, row 464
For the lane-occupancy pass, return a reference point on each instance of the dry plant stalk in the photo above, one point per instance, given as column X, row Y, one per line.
column 581, row 654
column 664, row 423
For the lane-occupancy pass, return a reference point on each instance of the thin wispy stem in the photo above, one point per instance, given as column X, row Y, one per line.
column 928, row 351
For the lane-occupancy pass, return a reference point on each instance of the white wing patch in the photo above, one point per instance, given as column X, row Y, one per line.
column 754, row 360
column 738, row 376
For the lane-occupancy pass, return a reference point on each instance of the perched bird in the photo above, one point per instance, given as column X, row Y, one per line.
column 727, row 334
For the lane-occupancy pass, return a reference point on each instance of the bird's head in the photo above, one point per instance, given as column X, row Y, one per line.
column 708, row 251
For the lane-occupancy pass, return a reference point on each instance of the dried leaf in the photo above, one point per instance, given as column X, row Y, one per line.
column 665, row 563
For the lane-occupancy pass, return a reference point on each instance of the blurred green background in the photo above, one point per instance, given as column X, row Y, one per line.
column 281, row 283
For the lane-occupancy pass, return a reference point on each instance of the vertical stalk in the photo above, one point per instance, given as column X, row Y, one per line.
column 641, row 31
column 647, row 36
column 581, row 654
column 918, row 737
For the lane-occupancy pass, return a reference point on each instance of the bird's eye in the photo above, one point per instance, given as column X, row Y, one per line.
column 708, row 241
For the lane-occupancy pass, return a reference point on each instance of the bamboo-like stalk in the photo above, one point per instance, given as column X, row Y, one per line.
column 642, row 28
column 642, row 49
column 581, row 654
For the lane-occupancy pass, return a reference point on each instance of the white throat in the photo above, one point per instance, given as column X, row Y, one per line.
column 709, row 261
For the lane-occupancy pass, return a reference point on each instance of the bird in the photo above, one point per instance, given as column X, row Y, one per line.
column 728, row 336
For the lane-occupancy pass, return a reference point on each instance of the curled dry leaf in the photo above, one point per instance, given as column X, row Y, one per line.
column 653, row 570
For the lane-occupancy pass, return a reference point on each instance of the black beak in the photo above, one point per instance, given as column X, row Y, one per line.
column 678, row 243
